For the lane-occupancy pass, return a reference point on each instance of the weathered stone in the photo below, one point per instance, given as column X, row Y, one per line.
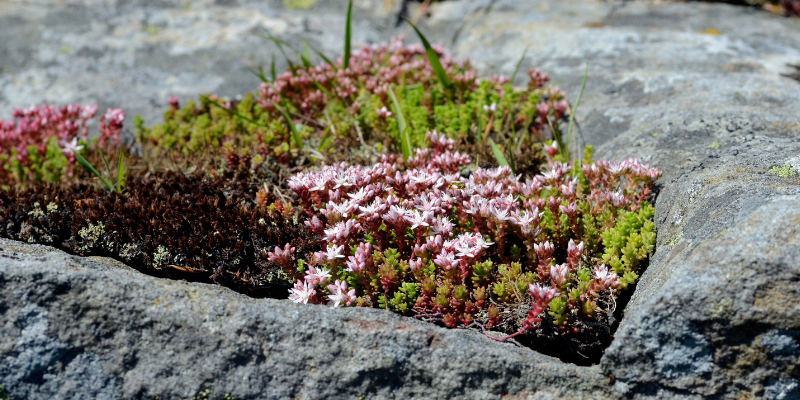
column 80, row 328
column 716, row 314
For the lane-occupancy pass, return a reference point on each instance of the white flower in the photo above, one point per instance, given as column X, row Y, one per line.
column 416, row 219
column 480, row 241
column 302, row 292
column 71, row 147
column 333, row 252
column 317, row 276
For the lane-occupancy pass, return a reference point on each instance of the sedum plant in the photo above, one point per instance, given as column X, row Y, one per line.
column 39, row 144
column 333, row 112
column 423, row 240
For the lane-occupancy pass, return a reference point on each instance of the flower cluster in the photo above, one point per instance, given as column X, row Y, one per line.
column 461, row 250
column 37, row 145
column 374, row 68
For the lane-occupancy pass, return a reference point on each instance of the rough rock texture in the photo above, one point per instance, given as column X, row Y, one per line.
column 79, row 328
column 135, row 54
column 716, row 314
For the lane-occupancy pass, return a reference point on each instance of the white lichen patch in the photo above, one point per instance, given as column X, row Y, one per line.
column 36, row 212
column 129, row 252
column 91, row 234
column 52, row 207
column 161, row 256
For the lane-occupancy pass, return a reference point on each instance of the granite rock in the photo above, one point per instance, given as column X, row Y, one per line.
column 700, row 91
column 78, row 328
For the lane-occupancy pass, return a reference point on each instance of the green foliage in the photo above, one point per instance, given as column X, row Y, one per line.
column 513, row 282
column 481, row 272
column 584, row 275
column 558, row 310
column 403, row 299
column 49, row 167
column 629, row 242
column 89, row 166
column 498, row 154
column 283, row 123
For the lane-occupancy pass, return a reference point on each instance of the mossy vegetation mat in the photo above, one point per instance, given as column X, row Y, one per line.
column 393, row 177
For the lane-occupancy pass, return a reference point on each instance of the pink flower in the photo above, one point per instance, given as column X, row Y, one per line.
column 383, row 112
column 282, row 257
column 542, row 294
column 340, row 294
column 415, row 265
column 446, row 260
column 571, row 210
column 528, row 222
column 559, row 274
column 303, row 292
column 617, row 199
column 544, row 251
column 604, row 277
column 442, row 226
column 574, row 252
column 317, row 275
column 551, row 150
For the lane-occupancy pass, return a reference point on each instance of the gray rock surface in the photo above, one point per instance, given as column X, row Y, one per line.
column 77, row 328
column 716, row 314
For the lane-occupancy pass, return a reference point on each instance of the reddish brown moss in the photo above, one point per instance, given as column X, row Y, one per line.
column 169, row 225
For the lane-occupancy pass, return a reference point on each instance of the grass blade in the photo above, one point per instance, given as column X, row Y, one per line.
column 519, row 64
column 234, row 113
column 326, row 141
column 259, row 73
column 327, row 60
column 274, row 75
column 433, row 58
column 402, row 126
column 296, row 138
column 280, row 44
column 92, row 170
column 103, row 156
column 498, row 154
column 121, row 172
column 577, row 102
column 348, row 35
column 511, row 163
column 304, row 56
column 405, row 144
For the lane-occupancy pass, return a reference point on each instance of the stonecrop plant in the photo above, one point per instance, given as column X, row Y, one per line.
column 39, row 143
column 359, row 108
column 423, row 240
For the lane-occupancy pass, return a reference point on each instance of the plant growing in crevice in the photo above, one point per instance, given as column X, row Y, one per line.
column 422, row 240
